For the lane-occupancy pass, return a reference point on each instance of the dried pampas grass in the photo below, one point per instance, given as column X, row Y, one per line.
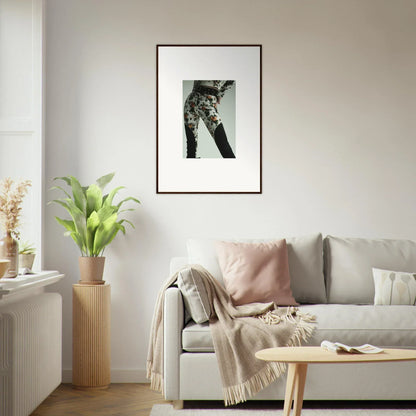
column 11, row 199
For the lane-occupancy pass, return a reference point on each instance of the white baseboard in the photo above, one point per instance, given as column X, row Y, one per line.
column 117, row 376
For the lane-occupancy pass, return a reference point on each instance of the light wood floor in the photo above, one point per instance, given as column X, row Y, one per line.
column 137, row 400
column 118, row 400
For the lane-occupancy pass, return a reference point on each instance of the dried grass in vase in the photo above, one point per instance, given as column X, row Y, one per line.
column 11, row 199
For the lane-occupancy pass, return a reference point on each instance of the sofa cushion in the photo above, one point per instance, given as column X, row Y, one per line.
column 306, row 268
column 256, row 272
column 394, row 288
column 197, row 338
column 349, row 263
column 305, row 264
column 388, row 326
column 202, row 251
column 195, row 296
column 392, row 326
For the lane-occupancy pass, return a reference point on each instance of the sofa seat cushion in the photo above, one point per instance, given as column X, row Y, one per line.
column 197, row 338
column 387, row 326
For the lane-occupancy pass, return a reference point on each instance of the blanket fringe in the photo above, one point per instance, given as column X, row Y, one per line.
column 156, row 380
column 239, row 393
column 304, row 322
column 303, row 331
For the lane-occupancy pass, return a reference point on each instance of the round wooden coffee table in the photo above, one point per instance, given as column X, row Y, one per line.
column 298, row 359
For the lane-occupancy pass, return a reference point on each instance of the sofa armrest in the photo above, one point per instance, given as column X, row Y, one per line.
column 172, row 341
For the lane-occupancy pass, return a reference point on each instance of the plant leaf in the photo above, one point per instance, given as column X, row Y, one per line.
column 130, row 198
column 126, row 210
column 78, row 218
column 93, row 222
column 80, row 224
column 104, row 233
column 121, row 227
column 94, row 197
column 76, row 237
column 79, row 196
column 109, row 198
column 105, row 212
column 63, row 202
column 127, row 221
column 104, row 180
column 63, row 178
column 71, row 230
column 61, row 189
column 68, row 224
column 116, row 230
column 118, row 227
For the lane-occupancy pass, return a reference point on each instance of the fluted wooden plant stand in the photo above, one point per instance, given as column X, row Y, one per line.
column 91, row 316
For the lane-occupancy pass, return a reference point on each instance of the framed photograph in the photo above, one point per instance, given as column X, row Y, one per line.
column 208, row 130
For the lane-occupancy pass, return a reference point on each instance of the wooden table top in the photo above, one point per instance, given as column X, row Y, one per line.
column 310, row 355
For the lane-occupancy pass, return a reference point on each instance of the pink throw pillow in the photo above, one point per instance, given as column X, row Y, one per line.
column 256, row 272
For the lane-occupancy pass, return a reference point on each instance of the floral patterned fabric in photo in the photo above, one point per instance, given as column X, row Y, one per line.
column 202, row 103
column 201, row 106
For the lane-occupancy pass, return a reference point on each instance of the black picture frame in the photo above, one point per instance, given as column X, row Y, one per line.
column 177, row 174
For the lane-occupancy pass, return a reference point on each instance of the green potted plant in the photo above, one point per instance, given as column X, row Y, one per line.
column 27, row 253
column 95, row 221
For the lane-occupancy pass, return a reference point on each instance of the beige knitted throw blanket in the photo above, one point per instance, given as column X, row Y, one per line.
column 237, row 333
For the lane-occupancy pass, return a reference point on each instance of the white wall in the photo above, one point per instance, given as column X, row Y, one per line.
column 339, row 103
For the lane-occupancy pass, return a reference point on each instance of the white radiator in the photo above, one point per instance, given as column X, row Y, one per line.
column 30, row 352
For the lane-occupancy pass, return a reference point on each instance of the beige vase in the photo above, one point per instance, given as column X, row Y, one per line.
column 4, row 266
column 26, row 261
column 9, row 250
column 91, row 270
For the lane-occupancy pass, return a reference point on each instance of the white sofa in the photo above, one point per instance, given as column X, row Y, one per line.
column 332, row 279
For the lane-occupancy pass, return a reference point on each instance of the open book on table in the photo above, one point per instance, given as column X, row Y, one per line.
column 362, row 349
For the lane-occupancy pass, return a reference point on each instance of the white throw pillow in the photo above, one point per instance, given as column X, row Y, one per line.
column 195, row 296
column 394, row 288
